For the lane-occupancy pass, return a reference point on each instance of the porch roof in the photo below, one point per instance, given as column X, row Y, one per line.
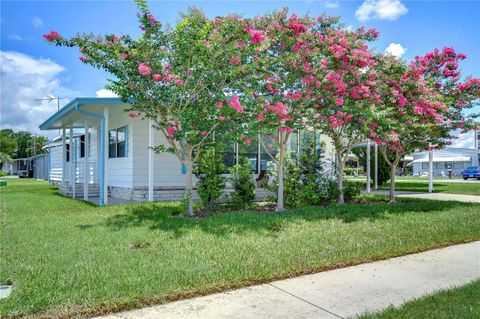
column 68, row 115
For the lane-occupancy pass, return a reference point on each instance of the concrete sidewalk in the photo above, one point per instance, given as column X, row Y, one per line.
column 337, row 293
column 434, row 196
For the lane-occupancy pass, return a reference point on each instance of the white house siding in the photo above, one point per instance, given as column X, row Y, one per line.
column 167, row 167
column 119, row 170
column 56, row 166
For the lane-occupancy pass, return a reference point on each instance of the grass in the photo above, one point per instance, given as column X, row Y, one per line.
column 69, row 258
column 459, row 302
column 438, row 187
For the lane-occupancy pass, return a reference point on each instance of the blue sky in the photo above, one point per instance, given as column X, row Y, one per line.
column 31, row 68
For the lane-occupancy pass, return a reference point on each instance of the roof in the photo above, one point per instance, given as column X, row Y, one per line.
column 55, row 121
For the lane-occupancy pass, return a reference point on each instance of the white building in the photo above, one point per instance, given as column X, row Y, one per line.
column 104, row 151
column 456, row 159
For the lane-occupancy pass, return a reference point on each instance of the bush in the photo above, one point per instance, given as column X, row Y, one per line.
column 351, row 190
column 241, row 178
column 307, row 183
column 2, row 173
column 209, row 170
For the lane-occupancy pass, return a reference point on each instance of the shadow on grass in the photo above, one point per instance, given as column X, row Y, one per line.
column 161, row 217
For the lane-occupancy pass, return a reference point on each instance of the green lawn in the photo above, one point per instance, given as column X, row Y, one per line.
column 438, row 187
column 460, row 302
column 67, row 257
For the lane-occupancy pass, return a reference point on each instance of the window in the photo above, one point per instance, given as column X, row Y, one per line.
column 117, row 142
column 265, row 157
column 425, row 165
column 67, row 148
column 82, row 146
column 229, row 159
column 250, row 151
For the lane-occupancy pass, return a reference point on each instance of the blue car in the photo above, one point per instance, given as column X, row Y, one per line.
column 471, row 172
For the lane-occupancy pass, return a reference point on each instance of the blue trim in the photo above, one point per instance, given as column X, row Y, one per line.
column 49, row 165
column 184, row 169
column 101, row 167
column 72, row 106
column 126, row 140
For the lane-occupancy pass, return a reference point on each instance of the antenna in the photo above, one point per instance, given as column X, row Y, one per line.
column 50, row 98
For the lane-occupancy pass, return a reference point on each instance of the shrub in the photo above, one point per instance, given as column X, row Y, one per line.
column 308, row 182
column 241, row 178
column 209, row 171
column 351, row 190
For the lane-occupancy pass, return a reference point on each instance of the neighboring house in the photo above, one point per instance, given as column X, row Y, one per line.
column 102, row 150
column 35, row 167
column 456, row 159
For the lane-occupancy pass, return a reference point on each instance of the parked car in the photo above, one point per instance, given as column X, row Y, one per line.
column 471, row 172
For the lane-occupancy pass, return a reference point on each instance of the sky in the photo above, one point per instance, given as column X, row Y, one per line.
column 31, row 68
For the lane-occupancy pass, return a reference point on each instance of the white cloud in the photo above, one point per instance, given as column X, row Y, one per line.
column 37, row 22
column 464, row 140
column 15, row 37
column 380, row 9
column 331, row 4
column 395, row 49
column 23, row 79
column 106, row 93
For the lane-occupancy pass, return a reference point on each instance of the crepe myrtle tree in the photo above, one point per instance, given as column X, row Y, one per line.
column 182, row 78
column 423, row 104
column 274, row 95
column 339, row 69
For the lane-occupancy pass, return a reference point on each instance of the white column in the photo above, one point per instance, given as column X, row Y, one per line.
column 64, row 157
column 150, row 161
column 368, row 167
column 375, row 185
column 86, row 171
column 72, row 178
column 105, row 156
column 430, row 171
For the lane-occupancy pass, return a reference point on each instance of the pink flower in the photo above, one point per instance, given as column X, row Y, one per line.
column 235, row 60
column 234, row 103
column 247, row 140
column 206, row 43
column 219, row 104
column 125, row 56
column 143, row 69
column 256, row 36
column 203, row 133
column 338, row 101
column 142, row 28
column 285, row 129
column 134, row 115
column 83, row 58
column 170, row 131
column 52, row 36
column 179, row 82
column 260, row 116
column 221, row 118
column 157, row 77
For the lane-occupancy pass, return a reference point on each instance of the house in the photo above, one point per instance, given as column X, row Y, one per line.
column 450, row 158
column 104, row 153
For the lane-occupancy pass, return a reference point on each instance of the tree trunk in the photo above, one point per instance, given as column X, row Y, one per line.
column 189, row 186
column 393, row 169
column 280, row 204
column 341, row 199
